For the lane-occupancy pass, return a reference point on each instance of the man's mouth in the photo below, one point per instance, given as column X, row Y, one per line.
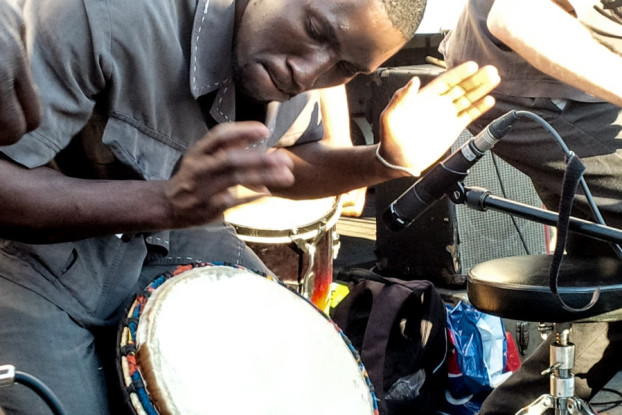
column 281, row 86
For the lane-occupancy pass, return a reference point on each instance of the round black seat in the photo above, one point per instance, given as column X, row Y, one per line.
column 518, row 288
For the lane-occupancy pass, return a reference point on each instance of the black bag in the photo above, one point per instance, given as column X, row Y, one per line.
column 399, row 329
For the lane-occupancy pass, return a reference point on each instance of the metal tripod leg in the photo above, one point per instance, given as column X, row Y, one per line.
column 547, row 401
column 561, row 397
column 538, row 406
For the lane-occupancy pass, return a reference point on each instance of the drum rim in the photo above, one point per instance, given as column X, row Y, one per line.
column 305, row 231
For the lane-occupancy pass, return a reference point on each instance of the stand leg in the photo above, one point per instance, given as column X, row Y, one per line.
column 579, row 406
column 561, row 396
column 538, row 406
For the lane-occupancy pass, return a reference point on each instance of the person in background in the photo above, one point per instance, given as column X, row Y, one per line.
column 19, row 103
column 559, row 59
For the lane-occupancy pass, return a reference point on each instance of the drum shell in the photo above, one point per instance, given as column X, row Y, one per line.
column 299, row 253
column 289, row 263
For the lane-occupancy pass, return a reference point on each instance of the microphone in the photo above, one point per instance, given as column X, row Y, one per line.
column 435, row 183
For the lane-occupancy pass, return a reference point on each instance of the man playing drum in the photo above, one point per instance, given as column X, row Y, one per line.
column 152, row 111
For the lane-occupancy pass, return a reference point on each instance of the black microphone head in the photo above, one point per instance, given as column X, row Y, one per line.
column 393, row 221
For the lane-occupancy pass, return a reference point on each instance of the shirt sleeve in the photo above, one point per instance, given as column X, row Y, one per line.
column 299, row 120
column 66, row 73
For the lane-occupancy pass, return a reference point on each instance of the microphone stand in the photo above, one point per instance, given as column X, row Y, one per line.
column 561, row 397
column 481, row 199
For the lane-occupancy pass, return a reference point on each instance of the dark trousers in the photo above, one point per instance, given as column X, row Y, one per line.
column 61, row 305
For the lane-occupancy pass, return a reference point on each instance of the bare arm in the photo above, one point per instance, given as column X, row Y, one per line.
column 555, row 42
column 42, row 205
column 416, row 128
column 322, row 170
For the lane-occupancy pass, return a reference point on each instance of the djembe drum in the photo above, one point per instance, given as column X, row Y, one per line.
column 221, row 339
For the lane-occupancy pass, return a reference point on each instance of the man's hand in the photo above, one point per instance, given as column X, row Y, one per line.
column 203, row 188
column 418, row 126
column 19, row 103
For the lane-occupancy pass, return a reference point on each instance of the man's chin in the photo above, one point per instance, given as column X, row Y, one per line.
column 254, row 97
column 259, row 96
column 254, row 83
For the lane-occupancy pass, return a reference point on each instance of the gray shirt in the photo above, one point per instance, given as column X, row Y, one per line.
column 119, row 82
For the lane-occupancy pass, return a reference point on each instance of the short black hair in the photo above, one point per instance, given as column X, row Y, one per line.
column 405, row 15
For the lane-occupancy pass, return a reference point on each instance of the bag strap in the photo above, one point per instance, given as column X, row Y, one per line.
column 572, row 177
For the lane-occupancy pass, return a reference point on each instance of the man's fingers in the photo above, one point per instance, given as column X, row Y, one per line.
column 482, row 82
column 410, row 89
column 248, row 168
column 476, row 86
column 471, row 98
column 476, row 109
column 237, row 135
column 447, row 80
column 268, row 170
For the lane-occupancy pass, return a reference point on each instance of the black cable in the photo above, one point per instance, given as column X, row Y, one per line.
column 512, row 218
column 609, row 404
column 42, row 390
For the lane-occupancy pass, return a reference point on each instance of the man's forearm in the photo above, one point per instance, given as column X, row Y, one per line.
column 556, row 43
column 321, row 172
column 42, row 206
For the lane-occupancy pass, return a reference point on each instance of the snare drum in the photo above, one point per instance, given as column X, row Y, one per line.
column 296, row 239
column 220, row 339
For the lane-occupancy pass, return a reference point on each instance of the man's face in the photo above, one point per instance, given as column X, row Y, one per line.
column 284, row 47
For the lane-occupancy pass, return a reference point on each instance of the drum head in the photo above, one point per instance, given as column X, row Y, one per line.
column 225, row 340
column 271, row 216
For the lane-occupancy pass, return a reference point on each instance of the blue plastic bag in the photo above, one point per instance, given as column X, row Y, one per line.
column 480, row 347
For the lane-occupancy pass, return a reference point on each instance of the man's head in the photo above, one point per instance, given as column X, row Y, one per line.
column 284, row 47
column 406, row 15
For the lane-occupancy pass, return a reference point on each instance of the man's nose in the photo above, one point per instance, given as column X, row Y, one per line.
column 307, row 69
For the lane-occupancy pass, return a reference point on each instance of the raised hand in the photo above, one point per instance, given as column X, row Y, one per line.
column 419, row 125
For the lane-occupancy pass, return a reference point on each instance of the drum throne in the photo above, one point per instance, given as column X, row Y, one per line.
column 518, row 288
